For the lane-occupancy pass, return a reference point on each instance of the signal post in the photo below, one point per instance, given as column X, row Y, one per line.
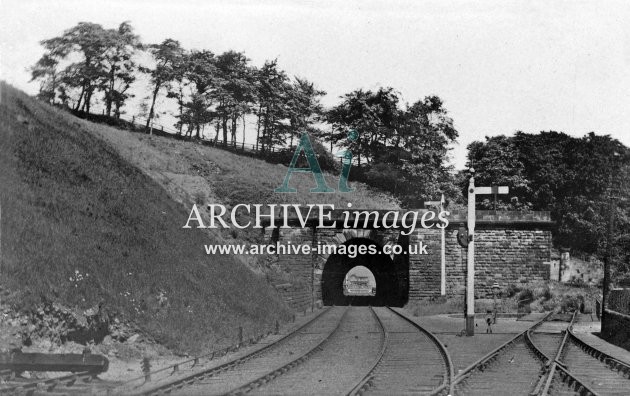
column 470, row 262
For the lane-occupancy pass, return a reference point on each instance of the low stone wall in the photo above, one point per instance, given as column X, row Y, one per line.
column 616, row 322
column 616, row 328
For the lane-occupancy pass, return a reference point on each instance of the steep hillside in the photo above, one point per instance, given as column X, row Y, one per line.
column 83, row 226
column 194, row 173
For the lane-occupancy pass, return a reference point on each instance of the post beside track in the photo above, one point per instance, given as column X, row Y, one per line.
column 191, row 378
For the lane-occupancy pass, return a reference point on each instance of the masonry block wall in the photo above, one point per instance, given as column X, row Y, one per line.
column 425, row 269
column 298, row 292
column 616, row 321
column 508, row 256
column 510, row 247
column 619, row 301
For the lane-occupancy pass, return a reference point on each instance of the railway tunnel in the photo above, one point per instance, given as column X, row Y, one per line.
column 391, row 276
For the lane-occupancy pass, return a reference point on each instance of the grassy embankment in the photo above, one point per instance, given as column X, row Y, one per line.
column 194, row 173
column 81, row 225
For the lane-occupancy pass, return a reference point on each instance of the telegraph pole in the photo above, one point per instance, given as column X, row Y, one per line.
column 608, row 254
column 443, row 254
column 0, row 238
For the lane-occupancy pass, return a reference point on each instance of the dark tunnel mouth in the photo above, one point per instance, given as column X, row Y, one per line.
column 390, row 290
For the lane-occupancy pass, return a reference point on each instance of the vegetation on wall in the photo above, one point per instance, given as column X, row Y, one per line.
column 582, row 181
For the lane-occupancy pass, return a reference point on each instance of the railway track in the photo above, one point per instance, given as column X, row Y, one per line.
column 546, row 359
column 600, row 373
column 549, row 346
column 354, row 350
column 575, row 368
column 513, row 368
column 379, row 351
column 412, row 360
column 247, row 372
column 76, row 383
column 340, row 363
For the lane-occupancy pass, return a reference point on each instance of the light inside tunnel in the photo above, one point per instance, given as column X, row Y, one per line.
column 359, row 281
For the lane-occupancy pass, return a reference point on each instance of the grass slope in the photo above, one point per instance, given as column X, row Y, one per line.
column 231, row 178
column 194, row 173
column 81, row 225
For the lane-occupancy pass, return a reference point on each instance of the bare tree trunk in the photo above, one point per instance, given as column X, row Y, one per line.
column 180, row 101
column 243, row 146
column 78, row 106
column 155, row 93
column 265, row 133
column 88, row 99
column 258, row 126
column 109, row 97
column 225, row 129
column 233, row 131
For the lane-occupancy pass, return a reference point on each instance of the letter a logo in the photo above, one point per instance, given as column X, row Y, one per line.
column 305, row 144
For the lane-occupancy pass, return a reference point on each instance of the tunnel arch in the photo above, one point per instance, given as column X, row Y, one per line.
column 386, row 272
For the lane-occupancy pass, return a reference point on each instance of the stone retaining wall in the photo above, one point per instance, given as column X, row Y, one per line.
column 616, row 328
column 510, row 247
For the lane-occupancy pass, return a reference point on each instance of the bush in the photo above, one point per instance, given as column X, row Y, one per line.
column 570, row 303
column 543, row 293
column 526, row 296
column 577, row 282
column 549, row 305
column 512, row 290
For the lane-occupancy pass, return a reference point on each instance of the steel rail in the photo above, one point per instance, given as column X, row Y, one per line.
column 572, row 381
column 613, row 363
column 191, row 378
column 366, row 381
column 263, row 379
column 490, row 356
column 565, row 376
column 50, row 384
column 447, row 382
column 541, row 355
column 176, row 367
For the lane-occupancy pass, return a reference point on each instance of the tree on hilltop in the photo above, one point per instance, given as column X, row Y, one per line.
column 95, row 59
column 167, row 56
column 571, row 177
column 235, row 91
column 403, row 150
column 119, row 68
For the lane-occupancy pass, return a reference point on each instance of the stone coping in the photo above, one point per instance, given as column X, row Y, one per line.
column 456, row 218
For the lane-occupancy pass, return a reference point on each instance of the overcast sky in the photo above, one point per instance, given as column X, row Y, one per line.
column 499, row 66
